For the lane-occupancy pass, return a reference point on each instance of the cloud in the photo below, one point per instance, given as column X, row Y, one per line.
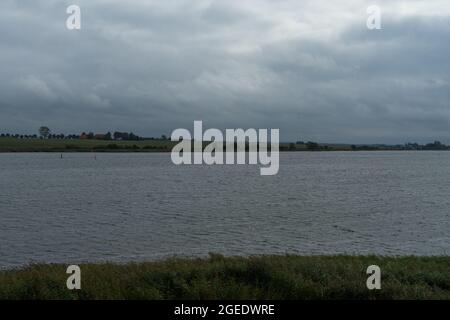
column 310, row 68
column 35, row 86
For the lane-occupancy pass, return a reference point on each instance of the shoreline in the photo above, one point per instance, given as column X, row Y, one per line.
column 16, row 145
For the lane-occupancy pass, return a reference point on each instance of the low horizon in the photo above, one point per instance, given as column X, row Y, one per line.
column 422, row 141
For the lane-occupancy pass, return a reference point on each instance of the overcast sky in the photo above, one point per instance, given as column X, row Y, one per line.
column 310, row 68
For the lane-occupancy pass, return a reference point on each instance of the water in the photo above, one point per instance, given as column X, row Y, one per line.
column 134, row 207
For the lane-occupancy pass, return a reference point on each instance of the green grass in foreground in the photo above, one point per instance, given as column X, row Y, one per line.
column 265, row 277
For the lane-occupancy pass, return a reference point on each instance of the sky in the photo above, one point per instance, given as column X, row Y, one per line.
column 310, row 68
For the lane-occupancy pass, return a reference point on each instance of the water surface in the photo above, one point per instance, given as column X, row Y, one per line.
column 133, row 207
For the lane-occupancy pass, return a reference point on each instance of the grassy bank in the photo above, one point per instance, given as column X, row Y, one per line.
column 59, row 145
column 266, row 277
column 10, row 144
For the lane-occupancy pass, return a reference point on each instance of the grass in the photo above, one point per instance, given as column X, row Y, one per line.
column 217, row 277
column 11, row 144
column 56, row 145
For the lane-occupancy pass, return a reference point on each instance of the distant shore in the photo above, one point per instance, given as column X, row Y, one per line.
column 83, row 145
column 10, row 144
column 218, row 277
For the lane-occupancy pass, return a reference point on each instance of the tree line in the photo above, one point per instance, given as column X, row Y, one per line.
column 46, row 133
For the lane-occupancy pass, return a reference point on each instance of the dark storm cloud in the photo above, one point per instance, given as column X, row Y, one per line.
column 310, row 68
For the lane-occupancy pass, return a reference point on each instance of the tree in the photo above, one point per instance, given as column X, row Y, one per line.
column 312, row 145
column 44, row 132
column 122, row 135
column 132, row 136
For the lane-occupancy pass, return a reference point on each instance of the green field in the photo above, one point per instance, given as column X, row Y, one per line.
column 64, row 145
column 217, row 277
column 10, row 144
column 57, row 145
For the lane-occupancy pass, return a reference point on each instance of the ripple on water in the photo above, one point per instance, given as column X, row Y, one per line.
column 126, row 207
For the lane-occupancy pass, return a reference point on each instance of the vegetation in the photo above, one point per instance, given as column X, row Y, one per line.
column 124, row 141
column 59, row 143
column 264, row 277
column 10, row 144
column 44, row 132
